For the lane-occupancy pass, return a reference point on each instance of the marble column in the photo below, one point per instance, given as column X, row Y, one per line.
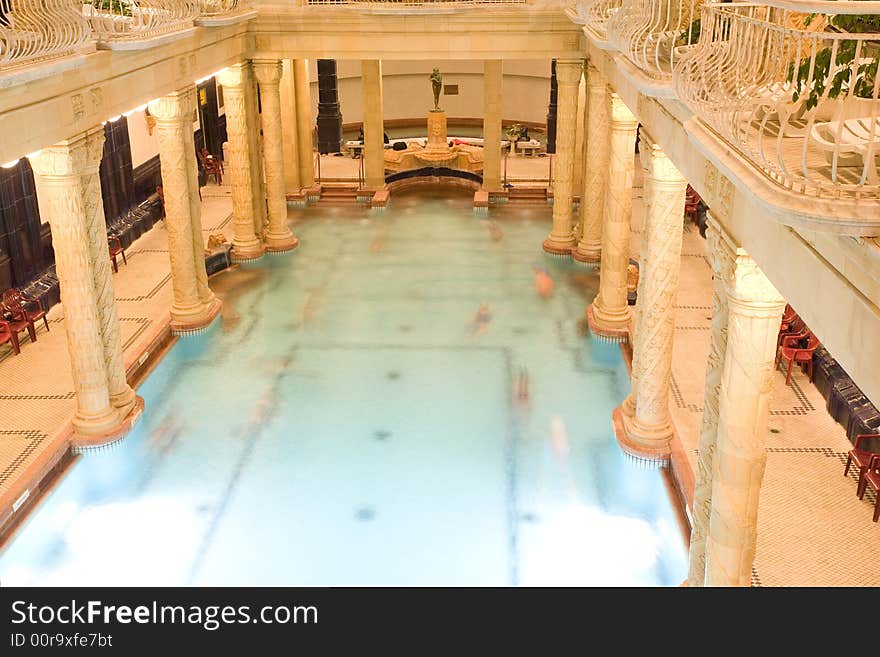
column 277, row 236
column 255, row 151
column 650, row 433
column 561, row 239
column 580, row 140
column 206, row 295
column 723, row 253
column 122, row 396
column 598, row 146
column 287, row 89
column 61, row 169
column 754, row 315
column 304, row 122
column 245, row 243
column 173, row 113
column 374, row 149
column 609, row 314
column 492, row 81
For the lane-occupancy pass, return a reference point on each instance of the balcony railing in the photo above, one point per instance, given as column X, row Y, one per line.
column 220, row 7
column 650, row 33
column 791, row 92
column 123, row 20
column 404, row 4
column 31, row 30
column 598, row 14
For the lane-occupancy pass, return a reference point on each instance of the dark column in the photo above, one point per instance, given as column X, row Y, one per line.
column 329, row 116
column 551, row 110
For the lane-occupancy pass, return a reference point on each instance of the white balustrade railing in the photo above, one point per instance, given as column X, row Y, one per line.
column 220, row 7
column 650, row 33
column 598, row 14
column 118, row 20
column 796, row 94
column 31, row 30
column 390, row 4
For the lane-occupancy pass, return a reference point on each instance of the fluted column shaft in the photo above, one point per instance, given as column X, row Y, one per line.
column 246, row 245
column 61, row 169
column 304, row 122
column 598, row 146
column 287, row 89
column 722, row 253
column 277, row 236
column 173, row 114
column 609, row 314
column 122, row 396
column 755, row 312
column 651, row 430
column 255, row 150
column 568, row 75
column 374, row 149
column 492, row 82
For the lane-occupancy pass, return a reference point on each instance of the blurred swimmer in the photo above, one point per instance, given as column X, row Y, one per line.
column 543, row 282
column 480, row 323
column 495, row 232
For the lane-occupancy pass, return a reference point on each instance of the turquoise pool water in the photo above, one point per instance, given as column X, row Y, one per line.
column 347, row 422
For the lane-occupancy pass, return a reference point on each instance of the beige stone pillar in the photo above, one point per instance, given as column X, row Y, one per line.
column 173, row 114
column 723, row 253
column 609, row 314
column 580, row 139
column 492, row 82
column 374, row 149
column 245, row 243
column 651, row 431
column 568, row 74
column 255, row 151
column 598, row 146
column 122, row 396
column 755, row 311
column 287, row 88
column 206, row 295
column 277, row 236
column 304, row 122
column 61, row 170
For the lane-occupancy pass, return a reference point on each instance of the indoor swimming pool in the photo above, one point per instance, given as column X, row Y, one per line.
column 354, row 418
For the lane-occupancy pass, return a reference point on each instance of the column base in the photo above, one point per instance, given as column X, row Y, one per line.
column 559, row 247
column 613, row 331
column 247, row 252
column 199, row 323
column 281, row 243
column 117, row 431
column 586, row 255
column 124, row 401
column 657, row 454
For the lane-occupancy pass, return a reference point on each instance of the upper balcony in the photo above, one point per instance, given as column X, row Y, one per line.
column 595, row 15
column 32, row 31
column 652, row 33
column 796, row 94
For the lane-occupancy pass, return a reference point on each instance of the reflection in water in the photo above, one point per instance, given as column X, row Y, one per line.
column 339, row 427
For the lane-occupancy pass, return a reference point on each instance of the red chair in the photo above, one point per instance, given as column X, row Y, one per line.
column 211, row 165
column 861, row 457
column 116, row 250
column 788, row 316
column 796, row 328
column 10, row 336
column 17, row 321
column 803, row 356
column 872, row 479
column 17, row 303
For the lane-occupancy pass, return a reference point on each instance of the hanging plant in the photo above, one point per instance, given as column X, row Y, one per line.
column 117, row 7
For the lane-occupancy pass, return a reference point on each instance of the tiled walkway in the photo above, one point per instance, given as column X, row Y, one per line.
column 812, row 528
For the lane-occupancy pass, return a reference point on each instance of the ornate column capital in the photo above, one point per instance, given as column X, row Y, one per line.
column 267, row 71
column 655, row 162
column 750, row 292
column 569, row 71
column 176, row 106
column 621, row 116
column 233, row 76
column 596, row 81
column 72, row 157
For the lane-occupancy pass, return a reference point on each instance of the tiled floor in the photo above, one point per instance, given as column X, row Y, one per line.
column 812, row 528
column 37, row 387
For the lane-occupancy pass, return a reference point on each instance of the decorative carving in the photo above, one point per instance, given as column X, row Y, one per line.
column 77, row 106
column 96, row 99
column 215, row 241
column 596, row 167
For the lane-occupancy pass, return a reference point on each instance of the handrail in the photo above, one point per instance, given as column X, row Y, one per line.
column 31, row 30
column 796, row 99
column 598, row 15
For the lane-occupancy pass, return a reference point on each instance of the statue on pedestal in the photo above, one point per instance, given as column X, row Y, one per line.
column 437, row 84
